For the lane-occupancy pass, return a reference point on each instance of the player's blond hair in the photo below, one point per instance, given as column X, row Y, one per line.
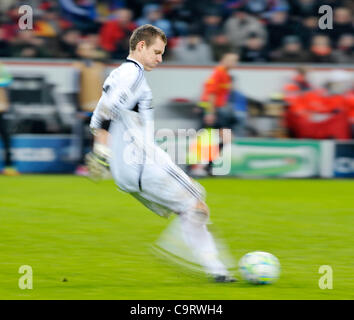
column 147, row 33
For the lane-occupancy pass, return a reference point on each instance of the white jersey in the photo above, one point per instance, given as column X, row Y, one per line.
column 160, row 185
column 126, row 89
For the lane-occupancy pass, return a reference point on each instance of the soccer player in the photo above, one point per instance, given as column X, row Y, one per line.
column 214, row 104
column 216, row 91
column 138, row 165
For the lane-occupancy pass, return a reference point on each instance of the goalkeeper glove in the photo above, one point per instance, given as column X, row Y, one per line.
column 97, row 162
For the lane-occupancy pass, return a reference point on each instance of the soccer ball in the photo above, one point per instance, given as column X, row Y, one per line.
column 259, row 267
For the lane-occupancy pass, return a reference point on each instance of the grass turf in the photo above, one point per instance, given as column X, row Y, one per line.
column 98, row 239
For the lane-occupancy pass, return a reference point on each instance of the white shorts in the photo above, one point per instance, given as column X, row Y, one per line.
column 156, row 180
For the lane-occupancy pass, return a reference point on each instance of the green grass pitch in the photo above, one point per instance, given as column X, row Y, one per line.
column 99, row 239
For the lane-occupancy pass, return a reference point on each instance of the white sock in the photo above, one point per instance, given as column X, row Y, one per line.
column 201, row 242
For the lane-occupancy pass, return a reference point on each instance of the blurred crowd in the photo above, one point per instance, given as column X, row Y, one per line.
column 197, row 31
column 320, row 112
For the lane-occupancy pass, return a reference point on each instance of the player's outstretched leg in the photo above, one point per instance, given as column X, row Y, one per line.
column 201, row 242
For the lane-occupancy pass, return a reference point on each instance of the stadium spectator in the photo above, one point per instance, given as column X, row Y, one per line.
column 5, row 5
column 321, row 50
column 272, row 6
column 260, row 8
column 254, row 50
column 291, row 51
column 57, row 22
column 307, row 29
column 152, row 14
column 48, row 24
column 241, row 25
column 68, row 43
column 4, row 44
column 8, row 23
column 81, row 13
column 191, row 49
column 304, row 8
column 232, row 5
column 219, row 45
column 180, row 14
column 27, row 45
column 279, row 26
column 334, row 4
column 342, row 24
column 345, row 49
column 115, row 33
column 348, row 4
column 211, row 23
column 105, row 7
column 94, row 39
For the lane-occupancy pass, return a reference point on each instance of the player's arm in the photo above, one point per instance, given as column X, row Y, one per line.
column 118, row 93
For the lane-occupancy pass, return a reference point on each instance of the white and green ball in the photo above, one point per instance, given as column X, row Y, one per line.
column 259, row 267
